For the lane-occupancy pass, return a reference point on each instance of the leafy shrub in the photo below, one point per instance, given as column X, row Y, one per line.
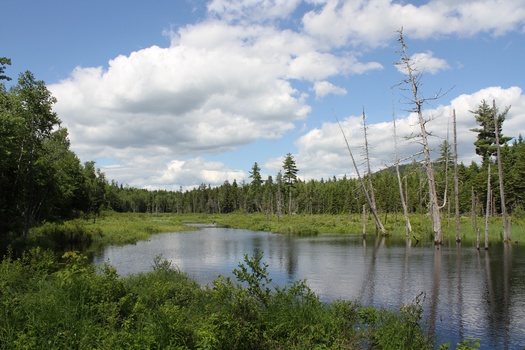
column 80, row 306
column 403, row 330
column 74, row 233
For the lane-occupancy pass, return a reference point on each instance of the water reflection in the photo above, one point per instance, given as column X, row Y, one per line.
column 468, row 292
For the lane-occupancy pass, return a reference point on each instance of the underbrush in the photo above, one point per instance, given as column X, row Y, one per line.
column 69, row 304
column 57, row 236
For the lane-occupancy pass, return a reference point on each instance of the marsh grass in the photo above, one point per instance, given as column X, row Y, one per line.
column 127, row 228
column 352, row 224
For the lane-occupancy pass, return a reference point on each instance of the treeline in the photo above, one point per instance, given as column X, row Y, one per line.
column 41, row 179
column 337, row 196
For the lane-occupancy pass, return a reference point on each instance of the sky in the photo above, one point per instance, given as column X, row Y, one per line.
column 171, row 94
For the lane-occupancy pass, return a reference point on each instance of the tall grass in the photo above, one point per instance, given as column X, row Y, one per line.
column 353, row 224
column 127, row 228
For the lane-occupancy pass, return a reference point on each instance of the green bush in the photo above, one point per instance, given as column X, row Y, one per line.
column 403, row 330
column 70, row 304
column 74, row 233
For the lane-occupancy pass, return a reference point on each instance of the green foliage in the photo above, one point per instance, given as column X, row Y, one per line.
column 486, row 140
column 41, row 180
column 3, row 62
column 256, row 276
column 79, row 306
column 470, row 343
column 74, row 233
column 403, row 330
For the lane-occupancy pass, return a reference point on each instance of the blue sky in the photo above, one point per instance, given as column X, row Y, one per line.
column 170, row 94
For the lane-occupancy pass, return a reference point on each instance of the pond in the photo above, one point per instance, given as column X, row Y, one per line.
column 466, row 292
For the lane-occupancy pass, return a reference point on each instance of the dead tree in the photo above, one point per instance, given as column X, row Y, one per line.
column 369, row 173
column 378, row 222
column 412, row 80
column 506, row 230
column 403, row 203
column 456, row 177
column 487, row 209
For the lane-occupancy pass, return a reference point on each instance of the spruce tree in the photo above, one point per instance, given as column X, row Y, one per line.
column 290, row 177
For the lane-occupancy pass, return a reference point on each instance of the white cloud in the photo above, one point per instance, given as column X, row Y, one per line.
column 252, row 10
column 425, row 62
column 373, row 23
column 236, row 77
column 326, row 145
column 216, row 88
column 323, row 88
column 198, row 171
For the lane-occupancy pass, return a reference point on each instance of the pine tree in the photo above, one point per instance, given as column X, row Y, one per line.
column 488, row 144
column 255, row 187
column 486, row 139
column 290, row 177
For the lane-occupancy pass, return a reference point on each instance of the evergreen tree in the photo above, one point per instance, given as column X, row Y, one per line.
column 486, row 139
column 255, row 187
column 290, row 177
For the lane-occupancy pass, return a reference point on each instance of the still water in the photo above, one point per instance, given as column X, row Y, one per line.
column 466, row 292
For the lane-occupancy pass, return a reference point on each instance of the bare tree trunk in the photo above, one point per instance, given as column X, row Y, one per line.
column 456, row 178
column 279, row 197
column 473, row 209
column 399, row 182
column 418, row 102
column 487, row 210
column 506, row 230
column 379, row 225
column 369, row 174
column 364, row 221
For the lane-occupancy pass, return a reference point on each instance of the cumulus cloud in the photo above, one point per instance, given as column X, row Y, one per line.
column 325, row 145
column 424, row 62
column 197, row 171
column 217, row 87
column 373, row 23
column 323, row 88
column 239, row 76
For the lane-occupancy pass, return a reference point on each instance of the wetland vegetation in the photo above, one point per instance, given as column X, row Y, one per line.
column 51, row 202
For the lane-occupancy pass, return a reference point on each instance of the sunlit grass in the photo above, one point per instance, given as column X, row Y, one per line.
column 353, row 224
column 126, row 228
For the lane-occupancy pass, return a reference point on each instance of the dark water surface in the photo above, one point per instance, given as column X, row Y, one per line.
column 467, row 292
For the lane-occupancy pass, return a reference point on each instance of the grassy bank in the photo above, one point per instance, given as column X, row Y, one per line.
column 67, row 303
column 127, row 228
column 353, row 224
column 47, row 305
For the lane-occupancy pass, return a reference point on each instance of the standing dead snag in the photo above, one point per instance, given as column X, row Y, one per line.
column 506, row 229
column 369, row 173
column 413, row 81
column 488, row 209
column 378, row 222
column 403, row 202
column 456, row 177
